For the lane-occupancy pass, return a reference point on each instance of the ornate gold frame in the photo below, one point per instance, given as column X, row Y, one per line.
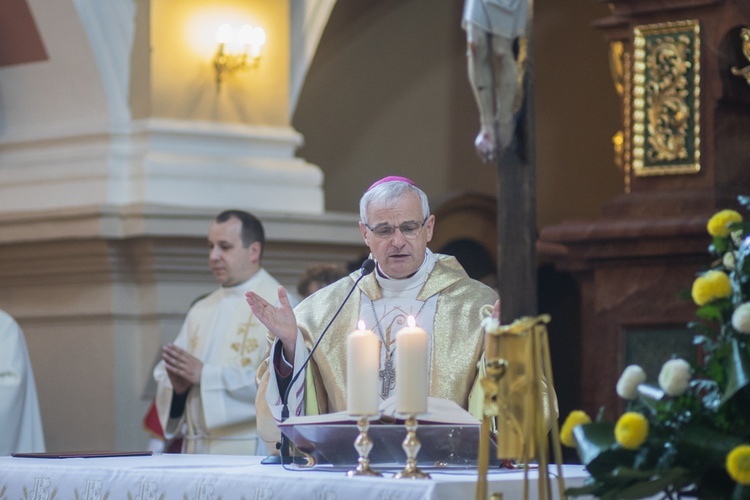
column 666, row 98
column 736, row 70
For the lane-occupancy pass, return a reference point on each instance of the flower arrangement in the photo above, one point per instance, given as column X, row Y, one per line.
column 691, row 435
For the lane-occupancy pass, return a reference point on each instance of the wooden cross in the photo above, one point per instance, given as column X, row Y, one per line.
column 516, row 210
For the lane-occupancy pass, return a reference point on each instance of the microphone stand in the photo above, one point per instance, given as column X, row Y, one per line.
column 367, row 267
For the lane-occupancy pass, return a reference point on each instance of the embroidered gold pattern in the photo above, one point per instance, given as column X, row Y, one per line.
column 736, row 70
column 192, row 343
column 246, row 345
column 666, row 98
column 388, row 370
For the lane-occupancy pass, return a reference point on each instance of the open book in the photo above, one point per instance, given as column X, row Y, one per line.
column 448, row 434
column 439, row 411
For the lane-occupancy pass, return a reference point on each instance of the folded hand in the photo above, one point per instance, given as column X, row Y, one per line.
column 183, row 368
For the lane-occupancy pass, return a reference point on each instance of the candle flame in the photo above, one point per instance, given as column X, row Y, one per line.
column 411, row 322
column 361, row 325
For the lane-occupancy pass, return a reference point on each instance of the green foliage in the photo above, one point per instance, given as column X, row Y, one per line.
column 691, row 434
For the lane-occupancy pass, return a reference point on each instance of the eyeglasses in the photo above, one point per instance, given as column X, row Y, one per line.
column 409, row 229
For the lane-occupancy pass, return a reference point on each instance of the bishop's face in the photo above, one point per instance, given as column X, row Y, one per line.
column 399, row 255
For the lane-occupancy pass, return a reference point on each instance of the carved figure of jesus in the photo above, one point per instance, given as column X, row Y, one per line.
column 491, row 27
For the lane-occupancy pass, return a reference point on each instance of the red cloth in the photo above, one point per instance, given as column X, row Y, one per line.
column 151, row 422
column 152, row 426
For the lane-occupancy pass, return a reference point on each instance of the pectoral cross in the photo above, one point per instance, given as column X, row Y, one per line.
column 388, row 377
column 388, row 372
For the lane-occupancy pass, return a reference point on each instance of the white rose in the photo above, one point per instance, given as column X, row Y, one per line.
column 674, row 378
column 741, row 318
column 490, row 324
column 736, row 237
column 631, row 378
column 729, row 260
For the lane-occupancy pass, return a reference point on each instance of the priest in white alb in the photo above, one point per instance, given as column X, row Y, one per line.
column 206, row 379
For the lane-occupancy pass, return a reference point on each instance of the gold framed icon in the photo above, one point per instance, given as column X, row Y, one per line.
column 666, row 98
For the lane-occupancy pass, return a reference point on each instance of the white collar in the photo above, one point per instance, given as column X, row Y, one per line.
column 239, row 288
column 414, row 281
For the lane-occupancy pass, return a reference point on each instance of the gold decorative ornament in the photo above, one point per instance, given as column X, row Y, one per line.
column 617, row 70
column 619, row 66
column 627, row 106
column 744, row 72
column 363, row 445
column 237, row 51
column 616, row 67
column 516, row 397
column 494, row 371
column 411, row 446
column 666, row 98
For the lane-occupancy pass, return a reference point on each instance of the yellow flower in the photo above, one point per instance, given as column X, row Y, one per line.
column 711, row 286
column 575, row 418
column 631, row 430
column 738, row 464
column 718, row 225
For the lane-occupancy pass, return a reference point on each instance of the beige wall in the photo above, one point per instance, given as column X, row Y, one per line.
column 140, row 63
column 577, row 112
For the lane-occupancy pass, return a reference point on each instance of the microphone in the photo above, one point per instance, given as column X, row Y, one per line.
column 367, row 267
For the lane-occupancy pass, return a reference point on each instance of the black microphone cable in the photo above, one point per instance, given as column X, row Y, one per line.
column 368, row 266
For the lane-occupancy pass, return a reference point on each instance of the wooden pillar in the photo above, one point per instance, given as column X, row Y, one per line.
column 516, row 210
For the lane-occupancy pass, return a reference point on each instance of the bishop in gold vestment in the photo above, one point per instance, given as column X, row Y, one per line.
column 456, row 342
column 409, row 280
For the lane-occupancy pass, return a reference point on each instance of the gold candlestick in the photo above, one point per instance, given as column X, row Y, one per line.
column 411, row 446
column 363, row 445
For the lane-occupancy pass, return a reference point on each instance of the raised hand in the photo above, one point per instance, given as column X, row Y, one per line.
column 280, row 320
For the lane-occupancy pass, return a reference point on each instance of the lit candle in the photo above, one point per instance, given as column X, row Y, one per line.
column 362, row 365
column 411, row 369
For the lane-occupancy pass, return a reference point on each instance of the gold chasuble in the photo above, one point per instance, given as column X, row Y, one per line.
column 457, row 343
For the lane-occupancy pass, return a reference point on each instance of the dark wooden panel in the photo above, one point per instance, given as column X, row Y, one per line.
column 20, row 41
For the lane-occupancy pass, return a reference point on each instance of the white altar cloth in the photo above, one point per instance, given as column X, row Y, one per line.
column 206, row 477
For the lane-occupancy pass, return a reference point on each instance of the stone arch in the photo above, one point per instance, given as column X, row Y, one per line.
column 466, row 227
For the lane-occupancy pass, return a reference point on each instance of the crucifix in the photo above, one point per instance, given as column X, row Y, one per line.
column 501, row 77
column 388, row 372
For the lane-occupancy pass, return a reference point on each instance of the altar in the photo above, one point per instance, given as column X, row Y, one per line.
column 205, row 477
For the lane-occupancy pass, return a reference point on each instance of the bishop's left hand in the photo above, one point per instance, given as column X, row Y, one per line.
column 496, row 311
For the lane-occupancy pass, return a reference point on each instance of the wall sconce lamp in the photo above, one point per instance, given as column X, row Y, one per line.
column 237, row 52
